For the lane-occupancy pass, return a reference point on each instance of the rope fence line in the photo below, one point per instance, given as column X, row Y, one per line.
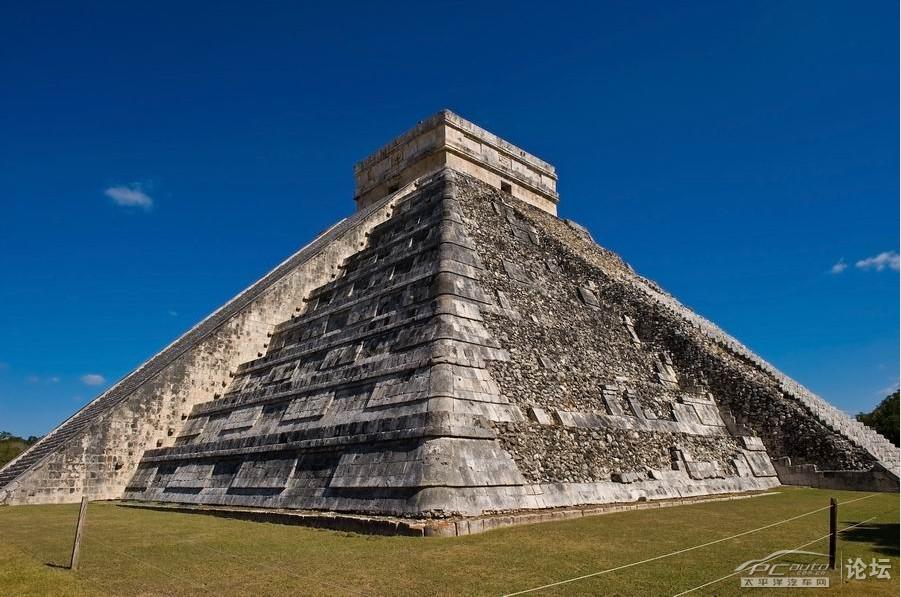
column 809, row 543
column 171, row 575
column 283, row 570
column 182, row 579
column 144, row 589
column 253, row 563
column 38, row 558
column 185, row 579
column 680, row 551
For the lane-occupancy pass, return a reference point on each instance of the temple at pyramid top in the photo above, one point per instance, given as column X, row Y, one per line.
column 446, row 140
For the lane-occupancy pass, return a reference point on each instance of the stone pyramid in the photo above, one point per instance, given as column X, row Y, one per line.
column 452, row 349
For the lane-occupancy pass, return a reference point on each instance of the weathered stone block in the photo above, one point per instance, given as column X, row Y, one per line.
column 588, row 297
column 752, row 443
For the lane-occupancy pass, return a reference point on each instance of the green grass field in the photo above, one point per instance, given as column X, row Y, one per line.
column 143, row 552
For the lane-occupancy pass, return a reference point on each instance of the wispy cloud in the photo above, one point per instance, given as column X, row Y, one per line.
column 131, row 195
column 839, row 267
column 173, row 313
column 93, row 379
column 36, row 379
column 887, row 259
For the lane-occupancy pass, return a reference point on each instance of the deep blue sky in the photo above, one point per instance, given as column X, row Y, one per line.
column 732, row 151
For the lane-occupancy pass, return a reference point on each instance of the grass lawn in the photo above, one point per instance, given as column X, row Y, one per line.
column 143, row 552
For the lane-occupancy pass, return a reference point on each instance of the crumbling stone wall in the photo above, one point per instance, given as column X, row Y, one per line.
column 588, row 348
column 756, row 402
column 556, row 454
column 564, row 321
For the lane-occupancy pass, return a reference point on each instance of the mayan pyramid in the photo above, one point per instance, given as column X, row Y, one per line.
column 453, row 348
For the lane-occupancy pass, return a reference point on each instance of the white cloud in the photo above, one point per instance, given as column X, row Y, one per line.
column 173, row 313
column 888, row 259
column 132, row 195
column 839, row 267
column 34, row 379
column 92, row 379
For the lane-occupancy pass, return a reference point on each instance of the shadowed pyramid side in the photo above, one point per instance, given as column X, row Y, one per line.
column 375, row 392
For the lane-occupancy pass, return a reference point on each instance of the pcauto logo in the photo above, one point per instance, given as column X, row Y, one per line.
column 762, row 565
column 770, row 571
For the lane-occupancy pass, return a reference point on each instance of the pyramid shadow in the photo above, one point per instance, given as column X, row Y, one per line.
column 883, row 537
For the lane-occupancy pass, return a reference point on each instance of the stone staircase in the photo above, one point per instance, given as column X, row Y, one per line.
column 886, row 453
column 103, row 404
column 56, row 438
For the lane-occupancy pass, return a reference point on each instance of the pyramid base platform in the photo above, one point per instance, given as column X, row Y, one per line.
column 557, row 500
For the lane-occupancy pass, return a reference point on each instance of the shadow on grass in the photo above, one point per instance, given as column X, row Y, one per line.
column 882, row 536
column 54, row 565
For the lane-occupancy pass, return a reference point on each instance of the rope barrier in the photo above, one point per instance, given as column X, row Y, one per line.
column 680, row 551
column 283, row 570
column 809, row 543
column 177, row 577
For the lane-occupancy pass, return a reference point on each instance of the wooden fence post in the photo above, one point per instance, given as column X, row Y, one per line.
column 73, row 565
column 833, row 531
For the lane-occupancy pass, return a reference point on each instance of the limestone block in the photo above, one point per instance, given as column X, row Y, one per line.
column 685, row 413
column 517, row 272
column 588, row 297
column 741, row 464
column 613, row 405
column 708, row 415
column 630, row 328
column 635, row 406
column 241, row 418
column 752, row 443
column 263, row 473
column 627, row 477
column 308, row 407
column 191, row 476
column 760, row 464
column 193, row 426
column 540, row 416
column 506, row 306
column 703, row 470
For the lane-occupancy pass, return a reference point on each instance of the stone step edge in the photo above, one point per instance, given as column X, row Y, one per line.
column 452, row 527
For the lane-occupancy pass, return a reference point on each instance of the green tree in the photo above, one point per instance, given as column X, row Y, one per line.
column 13, row 445
column 884, row 418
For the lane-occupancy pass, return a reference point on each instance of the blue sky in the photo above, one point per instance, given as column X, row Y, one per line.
column 157, row 159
